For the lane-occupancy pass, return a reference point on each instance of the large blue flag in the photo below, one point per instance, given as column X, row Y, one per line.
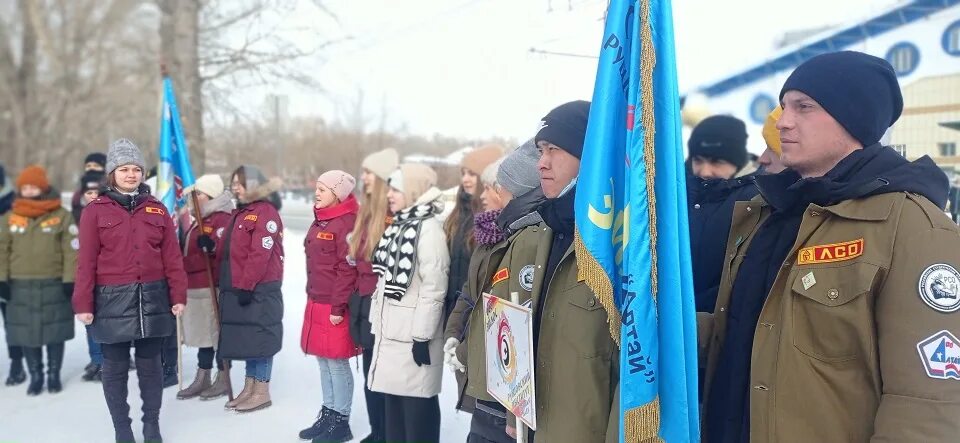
column 174, row 172
column 632, row 243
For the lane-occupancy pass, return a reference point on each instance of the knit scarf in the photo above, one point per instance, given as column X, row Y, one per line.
column 36, row 207
column 395, row 257
column 129, row 202
column 347, row 206
column 486, row 231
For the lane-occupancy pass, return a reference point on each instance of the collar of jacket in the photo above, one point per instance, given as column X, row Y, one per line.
column 520, row 211
column 220, row 203
column 558, row 213
column 348, row 206
column 128, row 202
column 700, row 190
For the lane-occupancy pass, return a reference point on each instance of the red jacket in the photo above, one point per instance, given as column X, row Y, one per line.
column 117, row 247
column 215, row 225
column 330, row 277
column 256, row 246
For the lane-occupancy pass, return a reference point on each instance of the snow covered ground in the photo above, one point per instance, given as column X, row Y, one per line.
column 79, row 414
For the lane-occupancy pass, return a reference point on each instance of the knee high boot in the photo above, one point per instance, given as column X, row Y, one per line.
column 54, row 363
column 150, row 375
column 34, row 358
column 114, row 378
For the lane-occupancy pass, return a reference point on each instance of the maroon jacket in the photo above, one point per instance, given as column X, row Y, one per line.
column 119, row 248
column 330, row 277
column 256, row 246
column 366, row 279
column 215, row 225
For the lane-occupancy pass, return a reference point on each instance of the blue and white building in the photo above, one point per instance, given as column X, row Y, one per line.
column 920, row 38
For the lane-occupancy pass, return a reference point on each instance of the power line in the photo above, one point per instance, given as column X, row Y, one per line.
column 561, row 54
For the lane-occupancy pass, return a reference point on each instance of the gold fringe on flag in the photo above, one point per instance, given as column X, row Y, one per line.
column 590, row 271
column 648, row 59
column 642, row 425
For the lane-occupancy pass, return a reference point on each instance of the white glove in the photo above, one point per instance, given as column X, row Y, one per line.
column 450, row 349
column 455, row 364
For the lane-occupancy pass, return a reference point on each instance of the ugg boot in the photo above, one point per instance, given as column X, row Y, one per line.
column 217, row 389
column 150, row 377
column 114, row 376
column 54, row 363
column 200, row 383
column 338, row 430
column 247, row 391
column 319, row 426
column 34, row 358
column 17, row 374
column 259, row 399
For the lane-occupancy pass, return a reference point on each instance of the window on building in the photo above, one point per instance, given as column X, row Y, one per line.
column 951, row 39
column 947, row 149
column 904, row 57
column 760, row 107
column 901, row 149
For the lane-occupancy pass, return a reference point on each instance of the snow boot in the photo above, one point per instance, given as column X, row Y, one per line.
column 338, row 431
column 34, row 358
column 217, row 389
column 17, row 374
column 115, row 375
column 93, row 373
column 318, row 427
column 200, row 384
column 372, row 438
column 259, row 399
column 170, row 376
column 150, row 377
column 54, row 363
column 244, row 394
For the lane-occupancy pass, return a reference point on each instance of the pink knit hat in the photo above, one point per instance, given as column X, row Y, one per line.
column 339, row 182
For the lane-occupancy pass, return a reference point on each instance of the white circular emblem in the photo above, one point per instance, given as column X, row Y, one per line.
column 272, row 227
column 72, row 229
column 75, row 244
column 940, row 287
column 220, row 233
column 526, row 278
column 267, row 242
column 13, row 229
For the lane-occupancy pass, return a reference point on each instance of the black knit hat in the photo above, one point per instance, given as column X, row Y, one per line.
column 720, row 137
column 858, row 90
column 92, row 181
column 566, row 127
column 96, row 157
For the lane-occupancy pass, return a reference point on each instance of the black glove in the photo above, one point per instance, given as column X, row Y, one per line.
column 206, row 243
column 68, row 290
column 4, row 291
column 421, row 352
column 244, row 297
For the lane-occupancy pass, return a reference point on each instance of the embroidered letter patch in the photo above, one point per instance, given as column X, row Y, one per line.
column 940, row 354
column 152, row 210
column 834, row 252
column 324, row 235
column 251, row 217
column 500, row 276
column 208, row 230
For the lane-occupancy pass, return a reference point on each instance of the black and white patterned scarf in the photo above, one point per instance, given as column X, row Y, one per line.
column 396, row 255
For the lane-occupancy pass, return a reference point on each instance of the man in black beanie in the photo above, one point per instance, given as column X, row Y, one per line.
column 838, row 314
column 718, row 147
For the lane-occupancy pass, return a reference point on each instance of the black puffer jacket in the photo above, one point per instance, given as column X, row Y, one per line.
column 132, row 311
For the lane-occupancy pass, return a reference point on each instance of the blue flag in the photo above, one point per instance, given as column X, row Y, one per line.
column 632, row 243
column 174, row 172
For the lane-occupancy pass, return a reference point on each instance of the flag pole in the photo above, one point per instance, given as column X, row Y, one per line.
column 521, row 426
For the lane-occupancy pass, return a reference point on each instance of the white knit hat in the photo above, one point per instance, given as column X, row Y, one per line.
column 210, row 184
column 382, row 163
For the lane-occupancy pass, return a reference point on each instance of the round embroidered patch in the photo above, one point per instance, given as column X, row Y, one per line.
column 526, row 278
column 75, row 244
column 272, row 227
column 72, row 229
column 220, row 233
column 940, row 287
column 267, row 242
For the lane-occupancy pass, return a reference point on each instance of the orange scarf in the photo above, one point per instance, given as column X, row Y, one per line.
column 30, row 208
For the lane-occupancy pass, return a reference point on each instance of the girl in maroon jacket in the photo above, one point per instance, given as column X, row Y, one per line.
column 251, row 276
column 201, row 250
column 330, row 281
column 130, row 284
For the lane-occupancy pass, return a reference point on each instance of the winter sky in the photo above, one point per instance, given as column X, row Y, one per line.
column 463, row 67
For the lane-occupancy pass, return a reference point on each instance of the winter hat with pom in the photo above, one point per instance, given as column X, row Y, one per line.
column 211, row 184
column 34, row 175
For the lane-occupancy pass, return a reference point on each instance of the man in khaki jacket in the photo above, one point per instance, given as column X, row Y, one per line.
column 838, row 313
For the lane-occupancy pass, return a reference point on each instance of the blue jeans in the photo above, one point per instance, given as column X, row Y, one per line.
column 260, row 369
column 336, row 380
column 94, row 349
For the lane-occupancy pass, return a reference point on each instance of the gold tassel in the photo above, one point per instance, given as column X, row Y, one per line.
column 642, row 425
column 590, row 271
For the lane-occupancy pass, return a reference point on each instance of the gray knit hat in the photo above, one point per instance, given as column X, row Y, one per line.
column 518, row 172
column 124, row 152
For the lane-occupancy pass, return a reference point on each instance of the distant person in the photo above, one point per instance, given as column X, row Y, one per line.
column 38, row 260
column 371, row 222
column 130, row 285
column 769, row 161
column 202, row 251
column 331, row 278
column 93, row 162
column 251, row 279
column 91, row 183
column 412, row 261
column 16, row 375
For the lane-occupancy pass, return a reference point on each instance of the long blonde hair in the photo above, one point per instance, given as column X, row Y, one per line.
column 371, row 221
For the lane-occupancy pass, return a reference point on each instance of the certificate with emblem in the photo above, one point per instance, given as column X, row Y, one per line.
column 508, row 334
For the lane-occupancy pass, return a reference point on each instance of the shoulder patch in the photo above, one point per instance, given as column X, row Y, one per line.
column 220, row 233
column 830, row 253
column 939, row 287
column 323, row 235
column 526, row 278
column 208, row 230
column 251, row 217
column 72, row 229
column 272, row 227
column 267, row 242
column 75, row 244
column 940, row 354
column 50, row 222
column 153, row 210
column 500, row 276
